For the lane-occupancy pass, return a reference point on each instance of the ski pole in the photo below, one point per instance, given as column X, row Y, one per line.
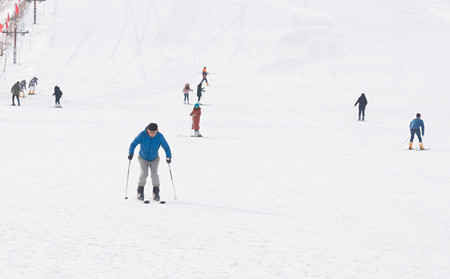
column 173, row 186
column 403, row 142
column 128, row 175
column 65, row 101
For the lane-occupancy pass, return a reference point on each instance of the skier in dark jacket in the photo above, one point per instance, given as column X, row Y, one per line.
column 414, row 128
column 362, row 101
column 58, row 94
column 15, row 91
column 199, row 91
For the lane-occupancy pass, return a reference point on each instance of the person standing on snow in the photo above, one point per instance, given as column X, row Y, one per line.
column 204, row 74
column 186, row 91
column 58, row 94
column 362, row 106
column 23, row 86
column 414, row 128
column 199, row 91
column 196, row 112
column 15, row 91
column 33, row 83
column 150, row 140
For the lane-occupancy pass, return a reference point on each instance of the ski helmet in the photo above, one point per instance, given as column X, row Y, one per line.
column 196, row 105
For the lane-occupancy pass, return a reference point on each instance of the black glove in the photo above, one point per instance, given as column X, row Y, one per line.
column 130, row 157
column 168, row 160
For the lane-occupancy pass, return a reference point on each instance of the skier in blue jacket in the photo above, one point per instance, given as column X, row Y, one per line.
column 414, row 128
column 150, row 140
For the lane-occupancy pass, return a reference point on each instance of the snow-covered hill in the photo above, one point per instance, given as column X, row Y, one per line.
column 285, row 184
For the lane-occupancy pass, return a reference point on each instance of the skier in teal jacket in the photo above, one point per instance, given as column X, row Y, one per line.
column 150, row 140
column 414, row 128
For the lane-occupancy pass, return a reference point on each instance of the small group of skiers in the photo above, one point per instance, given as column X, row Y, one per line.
column 19, row 87
column 188, row 89
column 31, row 86
column 416, row 126
column 200, row 89
column 196, row 112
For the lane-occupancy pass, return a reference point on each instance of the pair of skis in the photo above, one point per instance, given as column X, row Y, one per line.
column 148, row 201
column 418, row 149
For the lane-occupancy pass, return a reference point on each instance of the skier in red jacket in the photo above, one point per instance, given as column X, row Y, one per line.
column 196, row 112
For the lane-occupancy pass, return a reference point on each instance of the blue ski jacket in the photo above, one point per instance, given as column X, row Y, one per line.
column 150, row 146
column 417, row 123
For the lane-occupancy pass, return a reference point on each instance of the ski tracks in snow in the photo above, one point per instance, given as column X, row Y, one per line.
column 139, row 38
column 438, row 7
column 226, row 28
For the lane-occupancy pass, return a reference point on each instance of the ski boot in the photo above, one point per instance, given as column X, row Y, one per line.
column 196, row 134
column 140, row 193
column 421, row 146
column 156, row 193
column 410, row 146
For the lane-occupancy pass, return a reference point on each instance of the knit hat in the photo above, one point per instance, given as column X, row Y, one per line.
column 152, row 126
column 196, row 105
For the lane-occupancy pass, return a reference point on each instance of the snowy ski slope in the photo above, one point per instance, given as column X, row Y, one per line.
column 285, row 184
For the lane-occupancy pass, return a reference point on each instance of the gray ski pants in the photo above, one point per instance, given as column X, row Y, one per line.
column 145, row 165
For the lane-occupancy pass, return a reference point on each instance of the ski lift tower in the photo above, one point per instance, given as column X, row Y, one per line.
column 29, row 1
column 15, row 32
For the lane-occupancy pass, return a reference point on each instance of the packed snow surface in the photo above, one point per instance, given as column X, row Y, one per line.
column 285, row 183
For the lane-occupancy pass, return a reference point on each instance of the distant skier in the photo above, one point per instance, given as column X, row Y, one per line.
column 23, row 86
column 150, row 140
column 32, row 85
column 204, row 74
column 414, row 128
column 196, row 112
column 186, row 91
column 362, row 106
column 200, row 89
column 58, row 94
column 15, row 91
